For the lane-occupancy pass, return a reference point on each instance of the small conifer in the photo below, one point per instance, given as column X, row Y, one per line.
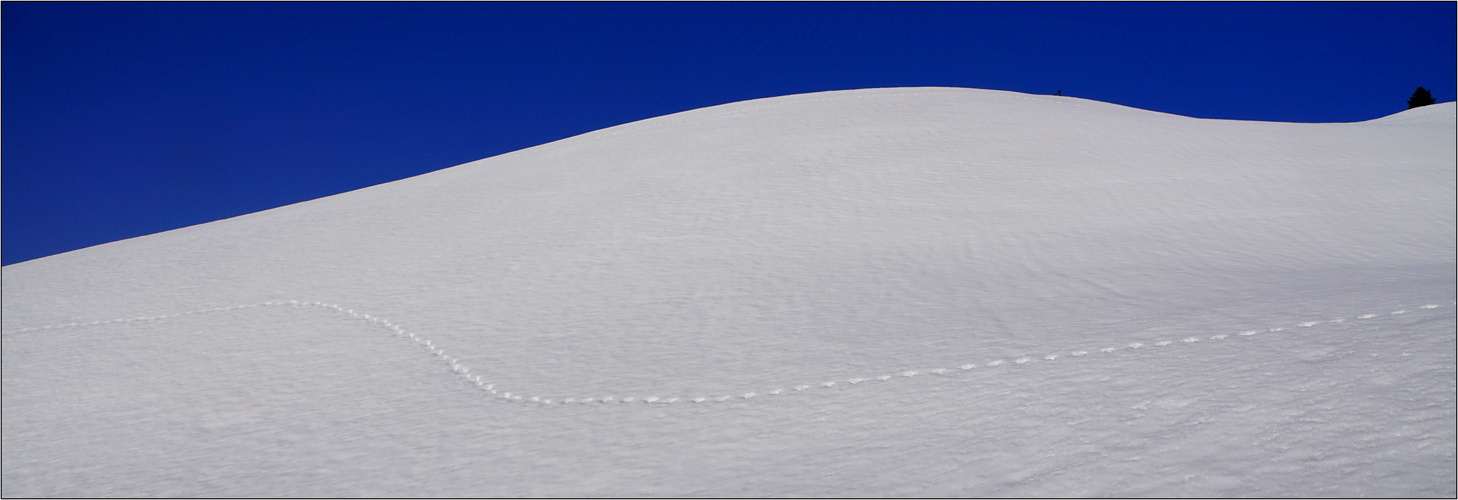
column 1420, row 97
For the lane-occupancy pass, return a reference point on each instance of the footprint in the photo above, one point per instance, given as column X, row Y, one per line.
column 477, row 379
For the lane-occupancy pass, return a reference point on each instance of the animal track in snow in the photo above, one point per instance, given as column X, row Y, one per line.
column 465, row 373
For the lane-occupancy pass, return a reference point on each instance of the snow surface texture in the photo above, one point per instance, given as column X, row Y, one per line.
column 888, row 292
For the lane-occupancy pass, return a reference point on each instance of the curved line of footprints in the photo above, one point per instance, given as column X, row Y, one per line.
column 465, row 373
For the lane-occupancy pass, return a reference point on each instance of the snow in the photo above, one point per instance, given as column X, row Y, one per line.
column 885, row 292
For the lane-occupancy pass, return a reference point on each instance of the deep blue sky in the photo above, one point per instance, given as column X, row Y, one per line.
column 126, row 119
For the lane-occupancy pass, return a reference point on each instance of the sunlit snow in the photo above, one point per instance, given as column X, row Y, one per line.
column 888, row 292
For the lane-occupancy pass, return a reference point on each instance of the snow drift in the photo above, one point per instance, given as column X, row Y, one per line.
column 888, row 292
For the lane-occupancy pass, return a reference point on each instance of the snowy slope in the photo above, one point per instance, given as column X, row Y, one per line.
column 887, row 292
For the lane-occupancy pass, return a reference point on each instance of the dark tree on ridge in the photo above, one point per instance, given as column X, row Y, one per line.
column 1420, row 97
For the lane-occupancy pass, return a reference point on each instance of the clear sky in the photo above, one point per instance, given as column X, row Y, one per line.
column 126, row 119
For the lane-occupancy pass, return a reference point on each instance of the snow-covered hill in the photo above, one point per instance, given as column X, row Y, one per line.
column 887, row 292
